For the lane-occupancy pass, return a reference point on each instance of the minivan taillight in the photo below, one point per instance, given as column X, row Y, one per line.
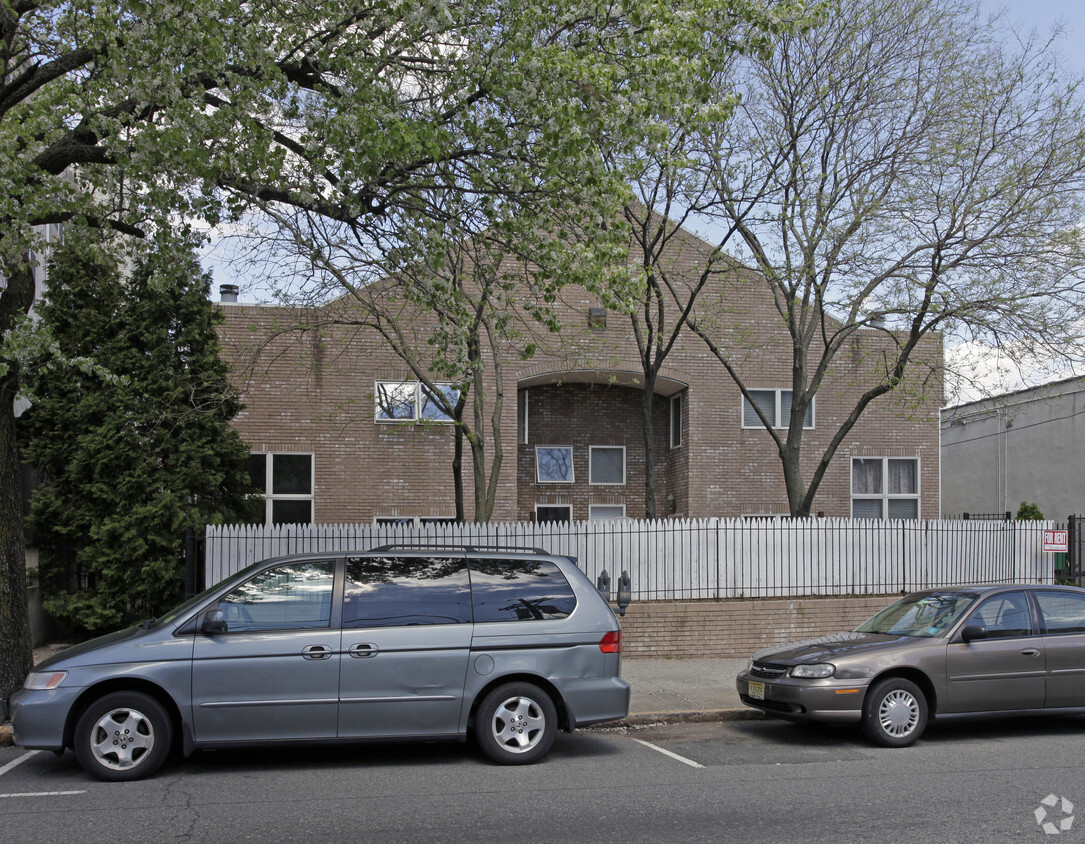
column 611, row 643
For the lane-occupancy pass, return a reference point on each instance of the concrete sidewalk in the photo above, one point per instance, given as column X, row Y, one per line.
column 662, row 690
column 684, row 689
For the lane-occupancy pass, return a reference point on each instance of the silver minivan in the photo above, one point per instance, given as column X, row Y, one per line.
column 506, row 645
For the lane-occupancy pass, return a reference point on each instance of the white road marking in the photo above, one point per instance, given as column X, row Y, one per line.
column 681, row 759
column 42, row 794
column 18, row 761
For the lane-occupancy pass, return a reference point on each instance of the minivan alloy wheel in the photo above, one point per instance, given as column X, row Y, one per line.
column 516, row 724
column 123, row 736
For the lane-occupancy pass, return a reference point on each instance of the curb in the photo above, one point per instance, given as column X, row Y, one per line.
column 692, row 716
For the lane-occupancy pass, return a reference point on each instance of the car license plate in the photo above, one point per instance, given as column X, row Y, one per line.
column 757, row 691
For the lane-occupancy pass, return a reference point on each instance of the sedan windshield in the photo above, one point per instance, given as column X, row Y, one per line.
column 920, row 615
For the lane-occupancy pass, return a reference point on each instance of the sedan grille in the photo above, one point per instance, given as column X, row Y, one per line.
column 770, row 670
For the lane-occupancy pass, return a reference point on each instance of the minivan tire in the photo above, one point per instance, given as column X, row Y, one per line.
column 515, row 724
column 123, row 736
column 894, row 712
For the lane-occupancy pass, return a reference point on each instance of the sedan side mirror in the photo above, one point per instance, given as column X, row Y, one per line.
column 214, row 621
column 973, row 631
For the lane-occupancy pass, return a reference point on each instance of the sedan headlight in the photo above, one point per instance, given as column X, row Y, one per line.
column 39, row 681
column 819, row 671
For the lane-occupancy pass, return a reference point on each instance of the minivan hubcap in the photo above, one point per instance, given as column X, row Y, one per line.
column 518, row 724
column 899, row 713
column 121, row 738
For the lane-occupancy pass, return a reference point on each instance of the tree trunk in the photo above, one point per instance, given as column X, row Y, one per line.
column 798, row 503
column 457, row 466
column 649, row 444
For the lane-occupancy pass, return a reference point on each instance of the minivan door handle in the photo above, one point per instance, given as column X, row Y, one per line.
column 363, row 651
column 316, row 652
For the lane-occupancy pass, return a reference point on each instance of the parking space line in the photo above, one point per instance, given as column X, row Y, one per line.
column 42, row 794
column 681, row 759
column 18, row 761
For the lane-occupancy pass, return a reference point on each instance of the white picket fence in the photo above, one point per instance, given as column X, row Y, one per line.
column 704, row 558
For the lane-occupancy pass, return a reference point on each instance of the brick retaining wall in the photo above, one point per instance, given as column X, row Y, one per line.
column 735, row 629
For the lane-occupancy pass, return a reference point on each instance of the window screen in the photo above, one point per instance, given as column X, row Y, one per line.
column 764, row 399
column 607, row 464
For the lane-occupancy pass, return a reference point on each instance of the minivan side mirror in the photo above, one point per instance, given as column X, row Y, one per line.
column 973, row 631
column 214, row 621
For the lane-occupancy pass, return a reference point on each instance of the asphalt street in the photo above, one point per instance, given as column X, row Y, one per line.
column 713, row 781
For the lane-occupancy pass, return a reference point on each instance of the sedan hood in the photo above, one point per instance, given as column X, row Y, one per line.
column 828, row 648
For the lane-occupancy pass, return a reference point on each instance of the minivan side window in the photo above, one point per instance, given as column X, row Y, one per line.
column 399, row 591
column 519, row 590
column 289, row 597
column 1063, row 612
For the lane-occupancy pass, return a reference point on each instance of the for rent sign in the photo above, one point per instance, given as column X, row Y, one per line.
column 1057, row 541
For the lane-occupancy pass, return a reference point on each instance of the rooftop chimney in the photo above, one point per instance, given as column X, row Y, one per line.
column 228, row 293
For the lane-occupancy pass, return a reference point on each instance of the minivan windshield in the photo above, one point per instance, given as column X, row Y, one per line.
column 927, row 614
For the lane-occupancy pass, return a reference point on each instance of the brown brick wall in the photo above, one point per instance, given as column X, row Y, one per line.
column 586, row 415
column 312, row 391
column 736, row 629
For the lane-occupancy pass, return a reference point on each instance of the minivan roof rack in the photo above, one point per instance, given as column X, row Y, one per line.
column 457, row 546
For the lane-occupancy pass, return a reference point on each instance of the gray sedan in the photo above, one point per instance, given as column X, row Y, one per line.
column 970, row 649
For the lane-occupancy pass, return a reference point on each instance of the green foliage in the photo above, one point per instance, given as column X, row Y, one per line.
column 1029, row 512
column 135, row 449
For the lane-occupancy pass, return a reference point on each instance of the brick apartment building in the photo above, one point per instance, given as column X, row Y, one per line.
column 341, row 431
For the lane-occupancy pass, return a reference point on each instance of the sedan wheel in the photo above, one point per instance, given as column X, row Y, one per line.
column 123, row 736
column 894, row 712
column 516, row 724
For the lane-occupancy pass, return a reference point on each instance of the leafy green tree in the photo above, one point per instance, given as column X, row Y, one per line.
column 353, row 112
column 1029, row 512
column 132, row 435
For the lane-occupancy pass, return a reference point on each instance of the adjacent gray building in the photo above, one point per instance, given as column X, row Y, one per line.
column 1027, row 445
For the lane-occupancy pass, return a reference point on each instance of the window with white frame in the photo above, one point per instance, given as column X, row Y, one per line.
column 606, row 465
column 554, row 464
column 605, row 512
column 433, row 403
column 676, row 421
column 553, row 513
column 885, row 488
column 412, row 401
column 286, row 483
column 521, row 416
column 776, row 405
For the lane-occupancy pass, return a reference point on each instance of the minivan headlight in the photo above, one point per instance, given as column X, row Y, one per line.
column 819, row 671
column 39, row 681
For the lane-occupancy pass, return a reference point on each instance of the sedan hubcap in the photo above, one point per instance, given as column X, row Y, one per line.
column 121, row 738
column 898, row 713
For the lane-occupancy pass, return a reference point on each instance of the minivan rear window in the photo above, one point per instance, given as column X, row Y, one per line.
column 400, row 591
column 519, row 590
